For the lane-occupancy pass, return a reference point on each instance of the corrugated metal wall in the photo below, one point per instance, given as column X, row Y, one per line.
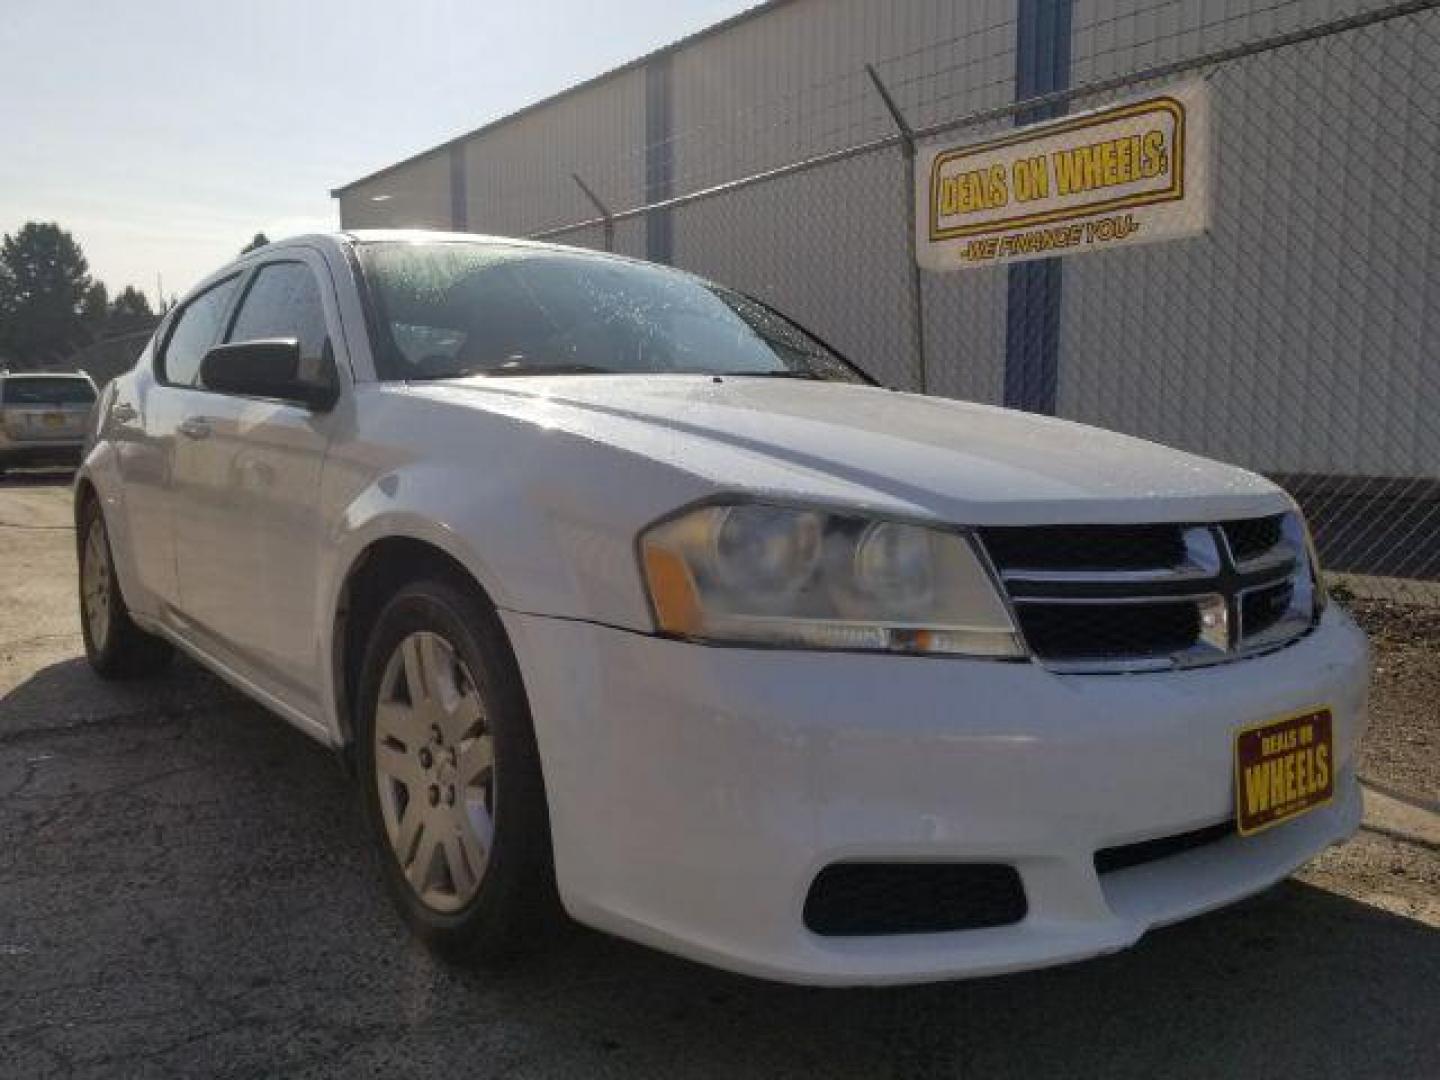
column 1201, row 343
column 1297, row 335
column 792, row 85
column 786, row 85
column 519, row 174
column 415, row 196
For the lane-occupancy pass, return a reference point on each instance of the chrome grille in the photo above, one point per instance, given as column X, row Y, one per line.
column 1253, row 537
column 1261, row 609
column 1110, row 631
column 1146, row 597
column 1086, row 547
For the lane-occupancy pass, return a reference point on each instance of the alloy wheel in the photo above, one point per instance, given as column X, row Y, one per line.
column 96, row 584
column 435, row 769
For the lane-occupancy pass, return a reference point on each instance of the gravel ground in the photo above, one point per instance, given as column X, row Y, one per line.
column 185, row 890
column 1402, row 750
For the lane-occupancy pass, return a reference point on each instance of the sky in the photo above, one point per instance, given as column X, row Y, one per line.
column 165, row 134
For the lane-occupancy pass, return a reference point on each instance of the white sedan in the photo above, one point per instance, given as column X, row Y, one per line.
column 622, row 593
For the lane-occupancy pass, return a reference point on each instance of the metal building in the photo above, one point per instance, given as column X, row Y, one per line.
column 1296, row 337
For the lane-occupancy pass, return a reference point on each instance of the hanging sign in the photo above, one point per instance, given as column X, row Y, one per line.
column 1131, row 173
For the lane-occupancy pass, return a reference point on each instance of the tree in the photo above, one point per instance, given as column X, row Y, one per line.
column 95, row 307
column 42, row 292
column 7, row 312
column 130, row 311
column 131, row 304
column 260, row 241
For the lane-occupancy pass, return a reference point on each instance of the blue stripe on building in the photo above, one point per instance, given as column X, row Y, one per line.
column 659, row 158
column 1032, row 317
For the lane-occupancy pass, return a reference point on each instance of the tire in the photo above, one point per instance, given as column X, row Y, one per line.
column 473, row 874
column 114, row 645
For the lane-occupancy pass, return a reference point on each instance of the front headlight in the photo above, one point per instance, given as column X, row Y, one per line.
column 761, row 574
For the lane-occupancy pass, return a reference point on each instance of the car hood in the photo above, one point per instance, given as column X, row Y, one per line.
column 935, row 457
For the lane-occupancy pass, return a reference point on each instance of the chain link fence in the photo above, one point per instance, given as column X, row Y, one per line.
column 1298, row 337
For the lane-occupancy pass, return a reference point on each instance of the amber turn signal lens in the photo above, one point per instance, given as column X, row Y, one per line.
column 677, row 608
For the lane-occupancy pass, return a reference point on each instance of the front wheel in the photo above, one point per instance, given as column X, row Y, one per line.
column 114, row 645
column 451, row 775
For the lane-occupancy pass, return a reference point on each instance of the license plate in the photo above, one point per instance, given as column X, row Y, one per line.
column 1283, row 768
column 54, row 419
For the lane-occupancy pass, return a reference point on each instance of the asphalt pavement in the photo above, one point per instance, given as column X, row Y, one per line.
column 185, row 889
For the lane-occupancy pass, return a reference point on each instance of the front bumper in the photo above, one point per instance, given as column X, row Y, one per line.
column 41, row 452
column 695, row 792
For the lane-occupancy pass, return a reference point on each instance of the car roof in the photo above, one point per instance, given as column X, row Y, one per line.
column 335, row 242
column 413, row 236
column 45, row 375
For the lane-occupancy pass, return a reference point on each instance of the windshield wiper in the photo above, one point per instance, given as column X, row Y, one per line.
column 512, row 369
column 547, row 369
column 809, row 376
column 594, row 369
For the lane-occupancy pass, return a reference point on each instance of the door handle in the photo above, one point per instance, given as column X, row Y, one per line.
column 197, row 427
column 124, row 412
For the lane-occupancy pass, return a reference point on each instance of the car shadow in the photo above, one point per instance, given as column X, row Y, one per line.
column 1327, row 985
column 169, row 850
column 69, row 695
column 20, row 477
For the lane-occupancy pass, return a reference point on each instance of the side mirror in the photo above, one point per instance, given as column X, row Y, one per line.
column 267, row 369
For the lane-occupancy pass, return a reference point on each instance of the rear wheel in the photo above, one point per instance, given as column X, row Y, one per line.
column 114, row 645
column 451, row 775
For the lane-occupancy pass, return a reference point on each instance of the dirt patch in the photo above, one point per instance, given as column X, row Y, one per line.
column 1401, row 878
column 1402, row 748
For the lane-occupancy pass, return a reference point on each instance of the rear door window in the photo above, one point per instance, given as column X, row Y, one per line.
column 24, row 391
column 195, row 331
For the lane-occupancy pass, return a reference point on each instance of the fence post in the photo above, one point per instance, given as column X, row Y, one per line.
column 604, row 212
column 917, row 291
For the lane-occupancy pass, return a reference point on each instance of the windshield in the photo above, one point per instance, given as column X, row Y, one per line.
column 447, row 310
column 33, row 391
